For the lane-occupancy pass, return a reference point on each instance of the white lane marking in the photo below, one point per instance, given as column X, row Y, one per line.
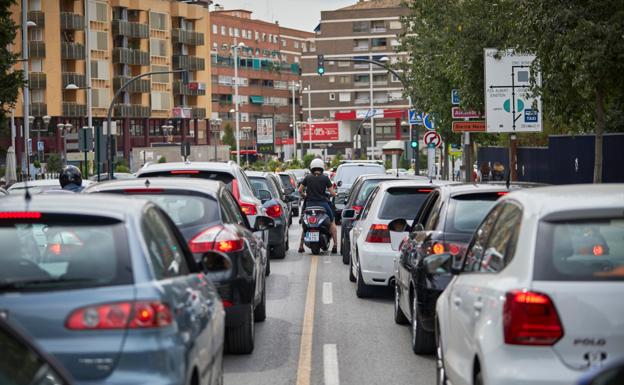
column 327, row 259
column 330, row 364
column 328, row 297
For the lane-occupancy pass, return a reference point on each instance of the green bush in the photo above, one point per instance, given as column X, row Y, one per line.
column 122, row 168
column 295, row 164
column 307, row 159
column 54, row 163
column 162, row 160
column 336, row 161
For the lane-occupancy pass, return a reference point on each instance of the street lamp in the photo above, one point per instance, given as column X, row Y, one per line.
column 64, row 129
column 235, row 48
column 26, row 91
column 309, row 90
column 215, row 127
column 295, row 85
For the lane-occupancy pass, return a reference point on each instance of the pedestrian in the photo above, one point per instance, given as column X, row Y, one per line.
column 71, row 179
column 484, row 172
column 498, row 172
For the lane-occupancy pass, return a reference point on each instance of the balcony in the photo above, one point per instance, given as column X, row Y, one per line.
column 362, row 101
column 130, row 56
column 37, row 80
column 72, row 21
column 191, row 89
column 36, row 49
column 79, row 80
column 198, row 113
column 71, row 109
column 38, row 109
column 38, row 17
column 130, row 29
column 72, row 51
column 189, row 63
column 137, row 86
column 132, row 111
column 184, row 36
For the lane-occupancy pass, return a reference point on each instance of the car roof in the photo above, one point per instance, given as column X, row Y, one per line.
column 360, row 164
column 551, row 199
column 202, row 186
column 467, row 188
column 202, row 166
column 257, row 174
column 388, row 176
column 111, row 206
column 406, row 183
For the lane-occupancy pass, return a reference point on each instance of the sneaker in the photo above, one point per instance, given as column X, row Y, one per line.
column 334, row 250
column 301, row 250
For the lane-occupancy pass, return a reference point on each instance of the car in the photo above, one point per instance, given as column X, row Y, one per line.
column 346, row 175
column 40, row 186
column 527, row 295
column 397, row 171
column 289, row 182
column 99, row 282
column 360, row 191
column 276, row 206
column 117, row 175
column 300, row 173
column 208, row 217
column 372, row 262
column 444, row 223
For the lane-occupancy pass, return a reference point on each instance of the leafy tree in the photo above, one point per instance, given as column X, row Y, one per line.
column 307, row 159
column 10, row 80
column 336, row 161
column 228, row 136
column 54, row 163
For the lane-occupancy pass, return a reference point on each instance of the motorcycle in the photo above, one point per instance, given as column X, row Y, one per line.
column 316, row 223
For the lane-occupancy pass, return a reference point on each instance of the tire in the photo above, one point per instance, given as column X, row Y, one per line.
column 316, row 249
column 267, row 271
column 351, row 276
column 440, row 369
column 287, row 244
column 399, row 316
column 260, row 310
column 345, row 252
column 478, row 379
column 423, row 342
column 240, row 340
column 279, row 252
column 362, row 290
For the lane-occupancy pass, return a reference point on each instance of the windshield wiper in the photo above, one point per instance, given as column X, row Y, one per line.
column 16, row 285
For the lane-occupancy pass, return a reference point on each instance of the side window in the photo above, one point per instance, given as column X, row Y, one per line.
column 234, row 209
column 164, row 250
column 275, row 191
column 433, row 215
column 502, row 244
column 226, row 214
column 480, row 238
column 369, row 203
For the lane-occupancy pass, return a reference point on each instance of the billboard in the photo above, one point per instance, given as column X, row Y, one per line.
column 265, row 135
column 321, row 132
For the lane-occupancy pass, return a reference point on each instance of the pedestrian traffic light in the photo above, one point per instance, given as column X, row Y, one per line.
column 320, row 67
column 414, row 144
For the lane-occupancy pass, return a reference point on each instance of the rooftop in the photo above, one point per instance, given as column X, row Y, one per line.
column 373, row 4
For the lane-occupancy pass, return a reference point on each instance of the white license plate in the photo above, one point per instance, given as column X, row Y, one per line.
column 312, row 236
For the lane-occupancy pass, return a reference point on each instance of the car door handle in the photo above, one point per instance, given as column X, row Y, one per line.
column 457, row 301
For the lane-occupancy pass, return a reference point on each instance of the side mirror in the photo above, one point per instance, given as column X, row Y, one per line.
column 264, row 195
column 438, row 263
column 399, row 225
column 339, row 183
column 350, row 214
column 263, row 223
column 215, row 262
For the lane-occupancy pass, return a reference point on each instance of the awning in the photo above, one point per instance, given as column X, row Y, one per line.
column 256, row 99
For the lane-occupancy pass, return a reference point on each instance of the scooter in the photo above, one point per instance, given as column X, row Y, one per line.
column 316, row 223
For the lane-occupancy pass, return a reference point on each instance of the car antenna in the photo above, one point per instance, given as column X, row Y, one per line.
column 507, row 182
column 147, row 183
column 27, row 195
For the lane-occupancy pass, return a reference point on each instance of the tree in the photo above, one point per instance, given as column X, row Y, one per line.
column 54, row 163
column 228, row 136
column 307, row 159
column 10, row 80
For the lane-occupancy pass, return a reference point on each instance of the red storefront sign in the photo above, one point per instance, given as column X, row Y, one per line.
column 321, row 132
column 360, row 114
column 469, row 126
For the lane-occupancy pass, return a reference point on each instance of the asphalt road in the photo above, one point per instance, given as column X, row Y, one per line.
column 319, row 332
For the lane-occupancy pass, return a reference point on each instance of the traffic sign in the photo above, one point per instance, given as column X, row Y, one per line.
column 85, row 139
column 40, row 146
column 469, row 126
column 455, row 97
column 458, row 113
column 432, row 139
column 415, row 117
column 428, row 122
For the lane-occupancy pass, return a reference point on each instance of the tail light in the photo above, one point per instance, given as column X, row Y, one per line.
column 274, row 211
column 248, row 208
column 216, row 238
column 502, row 193
column 235, row 191
column 312, row 219
column 378, row 233
column 183, row 172
column 293, row 183
column 530, row 318
column 357, row 208
column 453, row 248
column 20, row 215
column 120, row 315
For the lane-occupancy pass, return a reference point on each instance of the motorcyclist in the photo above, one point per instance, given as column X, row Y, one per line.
column 316, row 184
column 71, row 179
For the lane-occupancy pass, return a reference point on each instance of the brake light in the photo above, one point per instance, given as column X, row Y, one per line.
column 424, row 190
column 227, row 303
column 174, row 172
column 143, row 190
column 357, row 208
column 438, row 248
column 501, row 193
column 598, row 250
column 453, row 248
column 248, row 208
column 274, row 211
column 235, row 191
column 20, row 215
column 378, row 233
column 120, row 315
column 530, row 318
column 204, row 241
column 312, row 219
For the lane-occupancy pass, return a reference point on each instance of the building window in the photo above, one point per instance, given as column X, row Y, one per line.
column 379, row 42
column 284, row 43
column 345, row 80
column 100, row 69
column 360, row 26
column 160, row 101
column 296, row 59
column 36, row 65
column 35, row 34
column 304, row 48
column 34, row 5
column 99, row 40
column 332, row 114
column 236, row 32
column 37, row 96
column 344, row 97
column 332, row 79
column 100, row 97
column 378, row 26
column 296, row 44
column 158, row 47
column 395, row 24
column 344, row 64
column 332, row 96
column 231, row 31
column 257, row 35
column 158, row 21
column 215, row 29
column 160, row 78
column 360, row 45
column 312, row 47
column 98, row 11
column 223, row 30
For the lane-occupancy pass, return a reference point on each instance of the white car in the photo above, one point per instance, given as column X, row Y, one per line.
column 538, row 295
column 372, row 262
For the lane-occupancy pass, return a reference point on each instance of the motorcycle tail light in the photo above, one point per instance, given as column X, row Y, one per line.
column 312, row 219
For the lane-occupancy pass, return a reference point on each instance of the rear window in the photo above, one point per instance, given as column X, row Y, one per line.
column 348, row 174
column 186, row 210
column 60, row 253
column 583, row 250
column 285, row 180
column 466, row 211
column 224, row 177
column 262, row 184
column 402, row 202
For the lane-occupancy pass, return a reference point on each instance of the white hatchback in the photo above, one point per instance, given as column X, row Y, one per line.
column 538, row 295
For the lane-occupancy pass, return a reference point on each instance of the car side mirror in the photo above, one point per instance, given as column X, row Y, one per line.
column 438, row 263
column 339, row 183
column 350, row 214
column 215, row 262
column 263, row 223
column 264, row 195
column 399, row 225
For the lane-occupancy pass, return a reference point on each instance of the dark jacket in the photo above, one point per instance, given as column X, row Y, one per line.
column 73, row 188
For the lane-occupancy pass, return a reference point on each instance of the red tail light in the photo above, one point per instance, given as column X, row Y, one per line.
column 216, row 238
column 174, row 172
column 274, row 211
column 378, row 233
column 20, row 215
column 453, row 248
column 501, row 193
column 312, row 219
column 120, row 315
column 424, row 190
column 357, row 208
column 227, row 303
column 530, row 318
column 235, row 191
column 248, row 208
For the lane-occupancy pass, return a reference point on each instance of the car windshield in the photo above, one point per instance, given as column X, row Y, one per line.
column 466, row 211
column 348, row 174
column 186, row 210
column 300, row 173
column 402, row 202
column 61, row 253
column 581, row 250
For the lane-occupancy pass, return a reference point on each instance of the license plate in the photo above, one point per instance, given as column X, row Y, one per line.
column 312, row 237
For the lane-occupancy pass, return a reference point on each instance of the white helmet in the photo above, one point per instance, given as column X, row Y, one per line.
column 317, row 163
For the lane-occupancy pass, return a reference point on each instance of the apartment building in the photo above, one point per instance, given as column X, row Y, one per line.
column 126, row 38
column 347, row 92
column 269, row 70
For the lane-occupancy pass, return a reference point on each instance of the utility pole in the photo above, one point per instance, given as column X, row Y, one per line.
column 237, row 117
column 309, row 88
column 26, row 90
column 371, row 104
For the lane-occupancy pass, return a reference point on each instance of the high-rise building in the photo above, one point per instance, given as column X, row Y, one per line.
column 348, row 91
column 269, row 70
column 126, row 38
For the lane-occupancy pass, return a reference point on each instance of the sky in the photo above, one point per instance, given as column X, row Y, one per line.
column 297, row 14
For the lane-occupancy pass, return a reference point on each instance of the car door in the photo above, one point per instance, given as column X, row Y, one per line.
column 190, row 296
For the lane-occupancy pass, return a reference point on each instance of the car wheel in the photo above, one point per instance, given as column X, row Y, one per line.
column 287, row 244
column 351, row 276
column 260, row 311
column 362, row 290
column 478, row 379
column 267, row 271
column 399, row 316
column 240, row 340
column 279, row 252
column 422, row 341
column 345, row 252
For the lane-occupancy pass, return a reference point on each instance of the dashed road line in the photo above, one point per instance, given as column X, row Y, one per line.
column 328, row 297
column 330, row 364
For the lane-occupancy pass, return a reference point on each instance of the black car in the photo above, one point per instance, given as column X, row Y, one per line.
column 268, row 189
column 289, row 182
column 360, row 191
column 444, row 224
column 208, row 217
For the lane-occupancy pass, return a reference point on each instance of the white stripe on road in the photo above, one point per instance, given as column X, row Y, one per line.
column 330, row 364
column 328, row 297
column 327, row 259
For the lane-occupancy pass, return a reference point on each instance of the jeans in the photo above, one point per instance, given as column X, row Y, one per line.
column 323, row 204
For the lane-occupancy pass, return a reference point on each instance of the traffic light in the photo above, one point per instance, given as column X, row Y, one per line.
column 414, row 144
column 320, row 67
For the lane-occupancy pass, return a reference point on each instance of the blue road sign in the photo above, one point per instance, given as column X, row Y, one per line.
column 530, row 116
column 428, row 122
column 415, row 117
column 455, row 97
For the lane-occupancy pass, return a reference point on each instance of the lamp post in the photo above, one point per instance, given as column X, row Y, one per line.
column 215, row 128
column 235, row 48
column 26, row 91
column 309, row 90
column 64, row 128
column 295, row 85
